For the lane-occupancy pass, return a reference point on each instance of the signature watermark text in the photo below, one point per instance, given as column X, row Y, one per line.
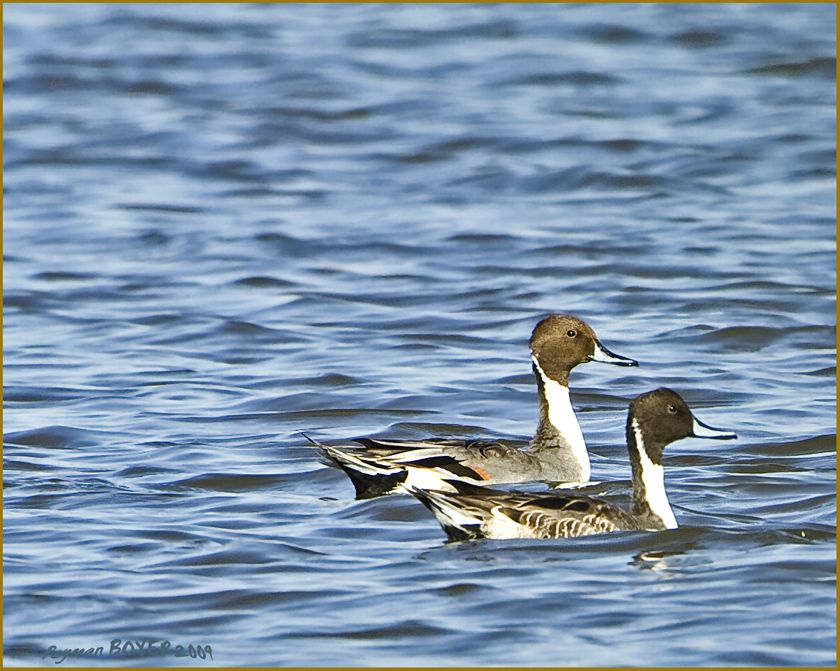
column 126, row 648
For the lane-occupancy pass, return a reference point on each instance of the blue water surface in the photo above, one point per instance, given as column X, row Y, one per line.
column 226, row 224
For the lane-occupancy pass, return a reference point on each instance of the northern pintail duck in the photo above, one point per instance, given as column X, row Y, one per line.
column 557, row 452
column 655, row 419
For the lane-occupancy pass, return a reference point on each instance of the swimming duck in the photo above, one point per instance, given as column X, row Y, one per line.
column 654, row 420
column 557, row 452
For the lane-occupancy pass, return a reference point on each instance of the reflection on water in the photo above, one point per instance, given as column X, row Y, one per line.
column 656, row 561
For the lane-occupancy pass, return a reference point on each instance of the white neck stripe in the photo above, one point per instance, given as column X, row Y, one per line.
column 653, row 479
column 562, row 416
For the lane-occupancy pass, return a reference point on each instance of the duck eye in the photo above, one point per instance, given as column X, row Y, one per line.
column 571, row 333
column 672, row 409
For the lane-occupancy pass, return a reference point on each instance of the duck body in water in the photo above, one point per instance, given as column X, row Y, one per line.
column 557, row 452
column 654, row 420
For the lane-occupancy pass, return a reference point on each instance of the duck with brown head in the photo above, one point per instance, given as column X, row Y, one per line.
column 654, row 420
column 557, row 452
column 558, row 344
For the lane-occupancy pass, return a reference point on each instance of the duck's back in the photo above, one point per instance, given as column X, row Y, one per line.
column 480, row 461
column 554, row 516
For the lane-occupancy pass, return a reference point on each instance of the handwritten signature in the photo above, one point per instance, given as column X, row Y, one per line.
column 131, row 648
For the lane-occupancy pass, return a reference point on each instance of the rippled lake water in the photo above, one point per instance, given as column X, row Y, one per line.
column 228, row 224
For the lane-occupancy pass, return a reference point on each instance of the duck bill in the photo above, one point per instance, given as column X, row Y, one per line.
column 603, row 355
column 700, row 430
